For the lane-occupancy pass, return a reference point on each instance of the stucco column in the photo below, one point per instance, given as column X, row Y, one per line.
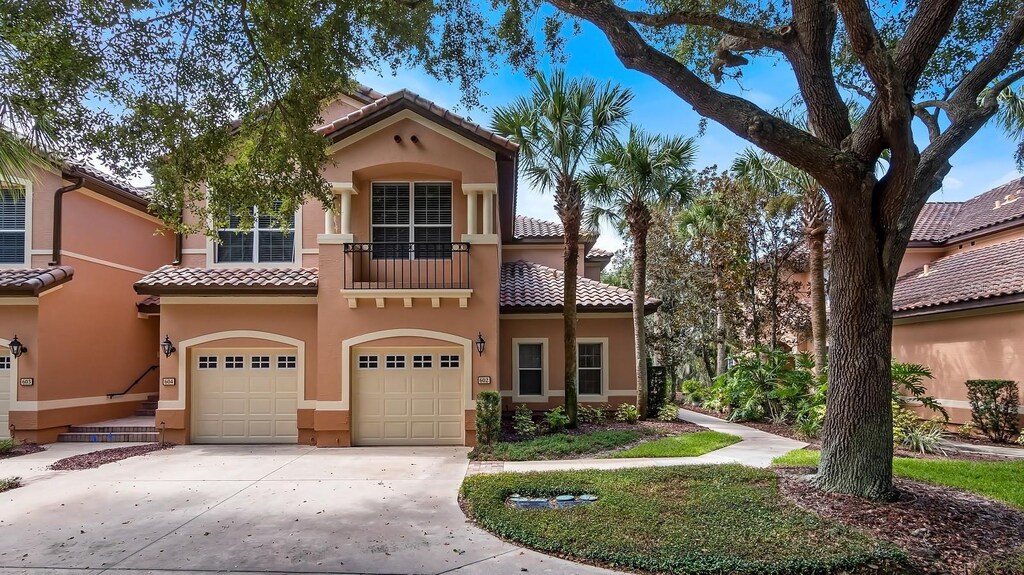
column 329, row 221
column 346, row 211
column 488, row 212
column 470, row 211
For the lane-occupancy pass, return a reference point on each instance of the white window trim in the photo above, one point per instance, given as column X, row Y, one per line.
column 603, row 397
column 412, row 225
column 211, row 250
column 27, row 185
column 545, row 371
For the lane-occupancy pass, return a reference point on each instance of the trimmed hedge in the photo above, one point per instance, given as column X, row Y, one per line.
column 994, row 407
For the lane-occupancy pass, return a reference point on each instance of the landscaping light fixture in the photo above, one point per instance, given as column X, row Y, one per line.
column 167, row 346
column 17, row 348
column 480, row 343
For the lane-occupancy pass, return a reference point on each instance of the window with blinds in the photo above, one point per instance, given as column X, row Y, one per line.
column 269, row 242
column 12, row 226
column 411, row 220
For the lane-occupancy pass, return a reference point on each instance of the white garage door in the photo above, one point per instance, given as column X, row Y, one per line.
column 5, row 393
column 244, row 396
column 407, row 396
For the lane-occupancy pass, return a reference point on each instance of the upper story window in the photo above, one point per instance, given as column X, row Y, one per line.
column 411, row 220
column 13, row 226
column 267, row 242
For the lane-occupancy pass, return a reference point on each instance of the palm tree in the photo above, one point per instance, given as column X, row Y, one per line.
column 23, row 138
column 628, row 178
column 768, row 172
column 559, row 128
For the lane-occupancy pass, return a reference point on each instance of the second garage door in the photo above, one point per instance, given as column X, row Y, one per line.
column 244, row 396
column 407, row 396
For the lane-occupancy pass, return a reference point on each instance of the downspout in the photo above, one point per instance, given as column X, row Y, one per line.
column 58, row 203
column 177, row 249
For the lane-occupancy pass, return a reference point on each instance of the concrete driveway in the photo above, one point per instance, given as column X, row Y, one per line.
column 257, row 509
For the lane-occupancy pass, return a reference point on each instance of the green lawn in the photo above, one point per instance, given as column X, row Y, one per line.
column 685, row 445
column 694, row 519
column 557, row 446
column 999, row 480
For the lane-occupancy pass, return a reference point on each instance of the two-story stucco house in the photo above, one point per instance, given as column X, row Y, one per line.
column 72, row 244
column 377, row 321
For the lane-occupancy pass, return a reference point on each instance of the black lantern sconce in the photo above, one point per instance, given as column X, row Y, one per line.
column 17, row 348
column 167, row 346
column 480, row 343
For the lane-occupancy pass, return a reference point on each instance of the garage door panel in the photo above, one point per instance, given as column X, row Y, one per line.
column 252, row 401
column 6, row 375
column 415, row 403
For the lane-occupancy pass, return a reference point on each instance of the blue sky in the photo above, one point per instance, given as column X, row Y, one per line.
column 984, row 163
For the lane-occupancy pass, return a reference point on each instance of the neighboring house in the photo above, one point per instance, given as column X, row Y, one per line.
column 72, row 244
column 378, row 322
column 959, row 301
column 958, row 307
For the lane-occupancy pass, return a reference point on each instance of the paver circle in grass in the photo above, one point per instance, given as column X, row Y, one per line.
column 696, row 519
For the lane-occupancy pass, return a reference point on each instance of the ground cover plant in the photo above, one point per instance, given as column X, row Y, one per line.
column 558, row 445
column 9, row 483
column 724, row 519
column 685, row 445
column 1000, row 480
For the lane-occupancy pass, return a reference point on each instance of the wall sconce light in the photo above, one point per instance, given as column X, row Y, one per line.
column 480, row 343
column 167, row 347
column 17, row 348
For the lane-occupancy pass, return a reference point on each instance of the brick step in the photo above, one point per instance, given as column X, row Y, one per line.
column 111, row 437
column 112, row 429
column 149, row 405
column 145, row 413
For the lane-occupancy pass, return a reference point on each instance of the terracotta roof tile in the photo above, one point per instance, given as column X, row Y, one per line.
column 598, row 253
column 981, row 273
column 246, row 281
column 941, row 222
column 528, row 286
column 33, row 282
column 527, row 227
column 418, row 100
column 149, row 304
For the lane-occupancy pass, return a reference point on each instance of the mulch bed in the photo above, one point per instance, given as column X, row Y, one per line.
column 22, row 449
column 652, row 427
column 104, row 456
column 943, row 530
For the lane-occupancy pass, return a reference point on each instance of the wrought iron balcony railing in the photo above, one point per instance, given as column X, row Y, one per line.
column 419, row 265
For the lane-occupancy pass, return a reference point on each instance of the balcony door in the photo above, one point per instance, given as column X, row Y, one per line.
column 411, row 220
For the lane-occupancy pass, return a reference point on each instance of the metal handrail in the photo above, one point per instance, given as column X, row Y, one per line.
column 137, row 380
column 406, row 265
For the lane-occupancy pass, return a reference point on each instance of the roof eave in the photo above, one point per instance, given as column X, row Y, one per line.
column 980, row 303
column 162, row 290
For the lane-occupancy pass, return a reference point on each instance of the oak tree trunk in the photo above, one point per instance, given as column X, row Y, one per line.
column 856, row 451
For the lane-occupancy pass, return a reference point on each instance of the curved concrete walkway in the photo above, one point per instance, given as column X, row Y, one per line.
column 757, row 449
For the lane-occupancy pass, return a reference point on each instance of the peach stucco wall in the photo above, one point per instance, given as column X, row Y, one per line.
column 549, row 255
column 618, row 330
column 87, row 339
column 961, row 348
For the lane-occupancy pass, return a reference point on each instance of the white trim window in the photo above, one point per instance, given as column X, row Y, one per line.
column 411, row 220
column 13, row 225
column 590, row 367
column 529, row 376
column 269, row 241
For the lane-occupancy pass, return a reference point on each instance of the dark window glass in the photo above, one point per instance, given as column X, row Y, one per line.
column 531, row 369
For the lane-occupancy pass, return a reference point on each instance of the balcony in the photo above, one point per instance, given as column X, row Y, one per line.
column 382, row 270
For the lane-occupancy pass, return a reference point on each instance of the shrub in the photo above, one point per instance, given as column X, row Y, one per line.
column 590, row 414
column 994, row 407
column 912, row 433
column 668, row 412
column 488, row 418
column 9, row 483
column 1020, row 439
column 556, row 419
column 966, row 430
column 522, row 422
column 692, row 391
column 763, row 384
column 906, row 384
column 7, row 446
column 627, row 413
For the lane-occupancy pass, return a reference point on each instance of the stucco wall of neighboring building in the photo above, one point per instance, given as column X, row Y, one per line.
column 549, row 255
column 959, row 348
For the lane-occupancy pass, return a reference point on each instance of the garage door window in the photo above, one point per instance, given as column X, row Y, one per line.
column 234, row 362
column 5, row 362
column 422, row 361
column 261, row 362
column 449, row 361
column 530, row 374
column 394, row 362
column 207, row 362
column 286, row 362
column 367, row 362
